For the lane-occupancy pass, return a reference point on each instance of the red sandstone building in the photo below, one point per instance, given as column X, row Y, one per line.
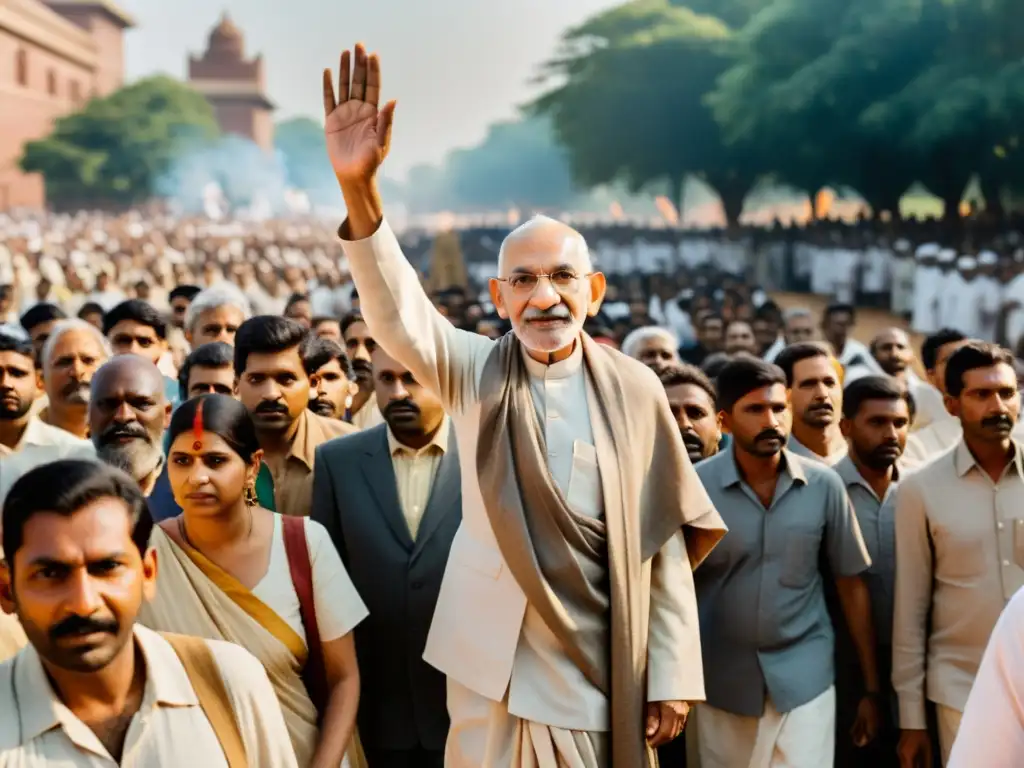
column 54, row 56
column 234, row 85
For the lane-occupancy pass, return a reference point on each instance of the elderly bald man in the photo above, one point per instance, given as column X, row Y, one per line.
column 654, row 346
column 567, row 603
column 128, row 413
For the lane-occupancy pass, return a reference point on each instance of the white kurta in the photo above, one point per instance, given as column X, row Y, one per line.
column 484, row 636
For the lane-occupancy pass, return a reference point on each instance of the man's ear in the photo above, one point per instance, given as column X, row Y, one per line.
column 494, row 288
column 6, row 588
column 149, row 571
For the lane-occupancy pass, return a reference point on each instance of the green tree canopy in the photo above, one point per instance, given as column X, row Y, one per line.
column 628, row 99
column 114, row 150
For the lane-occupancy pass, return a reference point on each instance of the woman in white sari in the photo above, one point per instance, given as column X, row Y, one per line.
column 226, row 574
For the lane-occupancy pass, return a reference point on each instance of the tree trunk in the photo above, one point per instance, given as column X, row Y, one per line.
column 991, row 189
column 732, row 204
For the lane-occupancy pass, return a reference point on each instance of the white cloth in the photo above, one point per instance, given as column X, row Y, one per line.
column 338, row 605
column 991, row 733
column 40, row 444
column 801, row 738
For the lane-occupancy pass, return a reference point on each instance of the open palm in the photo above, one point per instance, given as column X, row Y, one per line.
column 358, row 133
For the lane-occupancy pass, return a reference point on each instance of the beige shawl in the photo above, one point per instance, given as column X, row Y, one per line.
column 196, row 597
column 590, row 579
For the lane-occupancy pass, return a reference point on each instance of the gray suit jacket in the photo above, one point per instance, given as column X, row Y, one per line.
column 403, row 701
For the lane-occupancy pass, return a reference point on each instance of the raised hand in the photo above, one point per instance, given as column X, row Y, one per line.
column 358, row 133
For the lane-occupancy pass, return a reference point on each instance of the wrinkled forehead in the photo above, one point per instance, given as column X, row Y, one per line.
column 542, row 248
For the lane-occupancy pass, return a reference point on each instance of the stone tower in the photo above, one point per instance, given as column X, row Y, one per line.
column 233, row 85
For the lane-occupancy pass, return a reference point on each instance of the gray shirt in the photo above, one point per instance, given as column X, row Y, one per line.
column 763, row 621
column 877, row 520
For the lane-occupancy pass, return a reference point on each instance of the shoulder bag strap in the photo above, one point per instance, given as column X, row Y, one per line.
column 204, row 674
column 314, row 674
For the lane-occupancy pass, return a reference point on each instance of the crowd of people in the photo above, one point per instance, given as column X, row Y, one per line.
column 267, row 501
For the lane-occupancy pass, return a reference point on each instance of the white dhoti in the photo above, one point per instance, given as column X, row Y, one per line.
column 484, row 734
column 801, row 738
column 949, row 724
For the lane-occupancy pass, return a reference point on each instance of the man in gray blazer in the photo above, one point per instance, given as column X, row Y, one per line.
column 391, row 498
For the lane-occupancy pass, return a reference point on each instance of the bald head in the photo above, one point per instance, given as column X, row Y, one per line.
column 128, row 413
column 539, row 237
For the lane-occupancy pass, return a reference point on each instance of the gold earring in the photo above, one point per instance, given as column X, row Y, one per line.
column 250, row 496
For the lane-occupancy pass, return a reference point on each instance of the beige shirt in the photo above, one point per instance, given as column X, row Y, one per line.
column 369, row 415
column 293, row 474
column 169, row 730
column 415, row 471
column 40, row 443
column 959, row 559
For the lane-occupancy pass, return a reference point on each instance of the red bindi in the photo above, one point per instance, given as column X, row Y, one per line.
column 197, row 427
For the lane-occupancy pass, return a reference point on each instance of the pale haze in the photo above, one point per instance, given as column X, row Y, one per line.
column 453, row 65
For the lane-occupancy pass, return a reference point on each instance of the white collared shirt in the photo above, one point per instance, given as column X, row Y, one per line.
column 170, row 729
column 40, row 444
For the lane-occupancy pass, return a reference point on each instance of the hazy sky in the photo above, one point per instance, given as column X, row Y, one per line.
column 454, row 65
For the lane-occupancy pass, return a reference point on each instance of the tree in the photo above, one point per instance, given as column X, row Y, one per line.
column 630, row 100
column 114, row 151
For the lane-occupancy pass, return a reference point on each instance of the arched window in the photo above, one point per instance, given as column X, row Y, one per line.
column 51, row 82
column 21, row 67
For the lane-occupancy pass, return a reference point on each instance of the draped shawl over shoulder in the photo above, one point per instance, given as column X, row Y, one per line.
column 590, row 579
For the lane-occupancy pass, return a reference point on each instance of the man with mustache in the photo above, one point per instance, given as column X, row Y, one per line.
column 208, row 369
column 767, row 634
column 336, row 385
column 959, row 522
column 26, row 440
column 70, row 358
column 814, row 378
column 128, row 413
column 567, row 603
column 691, row 396
column 876, row 422
column 93, row 688
column 655, row 347
column 391, row 499
column 363, row 412
column 274, row 384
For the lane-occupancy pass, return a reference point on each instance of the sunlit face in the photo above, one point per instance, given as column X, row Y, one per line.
column 799, row 329
column 329, row 329
column 207, row 380
column 546, row 286
column 69, row 370
column 409, row 408
column 697, row 419
column 892, row 351
column 275, row 389
column 877, row 434
column 657, row 354
column 19, row 385
column 989, row 405
column 333, row 393
column 211, row 477
column 739, row 337
column 817, row 394
column 937, row 376
column 217, row 324
column 131, row 338
column 77, row 583
column 759, row 421
column 301, row 312
column 360, row 345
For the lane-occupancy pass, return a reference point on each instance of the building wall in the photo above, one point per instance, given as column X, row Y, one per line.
column 109, row 37
column 263, row 128
column 47, row 68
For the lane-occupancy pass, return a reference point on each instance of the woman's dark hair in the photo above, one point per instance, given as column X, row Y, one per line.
column 63, row 487
column 223, row 416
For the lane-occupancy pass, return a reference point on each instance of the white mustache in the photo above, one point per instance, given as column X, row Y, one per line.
column 559, row 312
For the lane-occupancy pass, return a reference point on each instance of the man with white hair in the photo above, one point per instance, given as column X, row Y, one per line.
column 654, row 346
column 215, row 315
column 568, row 602
column 70, row 357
